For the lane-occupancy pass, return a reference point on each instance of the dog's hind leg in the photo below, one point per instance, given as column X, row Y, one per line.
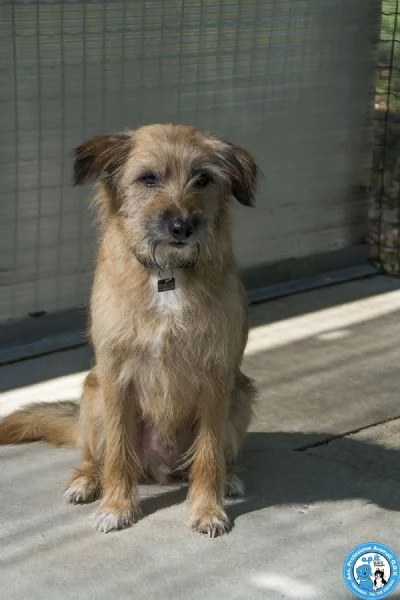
column 85, row 483
column 239, row 419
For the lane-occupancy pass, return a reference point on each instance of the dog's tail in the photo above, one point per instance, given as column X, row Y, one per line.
column 55, row 422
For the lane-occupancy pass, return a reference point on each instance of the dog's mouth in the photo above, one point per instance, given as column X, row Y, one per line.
column 179, row 254
column 169, row 255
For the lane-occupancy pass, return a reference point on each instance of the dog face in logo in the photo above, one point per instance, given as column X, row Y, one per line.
column 364, row 571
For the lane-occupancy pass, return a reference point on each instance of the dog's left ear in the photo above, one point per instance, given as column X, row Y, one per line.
column 240, row 169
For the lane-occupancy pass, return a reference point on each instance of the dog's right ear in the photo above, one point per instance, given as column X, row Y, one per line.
column 101, row 157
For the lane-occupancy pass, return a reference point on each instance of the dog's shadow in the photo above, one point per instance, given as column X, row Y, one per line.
column 279, row 469
column 285, row 469
column 175, row 495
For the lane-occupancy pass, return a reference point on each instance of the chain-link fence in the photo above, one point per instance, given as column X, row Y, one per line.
column 291, row 80
column 385, row 204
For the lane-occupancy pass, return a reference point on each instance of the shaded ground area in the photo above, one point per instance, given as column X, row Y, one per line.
column 322, row 470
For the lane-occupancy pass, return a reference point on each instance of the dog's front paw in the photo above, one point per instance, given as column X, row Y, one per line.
column 109, row 518
column 111, row 521
column 212, row 524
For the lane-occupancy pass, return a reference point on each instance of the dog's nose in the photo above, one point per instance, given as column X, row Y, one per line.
column 181, row 229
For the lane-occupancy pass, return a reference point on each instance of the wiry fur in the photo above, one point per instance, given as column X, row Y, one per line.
column 56, row 422
column 166, row 392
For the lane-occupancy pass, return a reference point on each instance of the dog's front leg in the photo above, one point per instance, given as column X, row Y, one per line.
column 119, row 507
column 207, row 474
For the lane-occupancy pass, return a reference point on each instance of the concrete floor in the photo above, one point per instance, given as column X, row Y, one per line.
column 322, row 470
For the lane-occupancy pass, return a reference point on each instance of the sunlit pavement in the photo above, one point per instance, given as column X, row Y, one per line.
column 322, row 470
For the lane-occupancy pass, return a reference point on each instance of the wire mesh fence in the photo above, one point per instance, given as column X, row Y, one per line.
column 385, row 205
column 291, row 80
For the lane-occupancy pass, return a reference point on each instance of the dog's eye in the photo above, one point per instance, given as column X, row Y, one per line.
column 202, row 180
column 149, row 179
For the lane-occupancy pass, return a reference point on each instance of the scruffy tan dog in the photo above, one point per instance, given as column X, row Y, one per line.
column 168, row 327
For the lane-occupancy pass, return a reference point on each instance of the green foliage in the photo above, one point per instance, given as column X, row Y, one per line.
column 389, row 55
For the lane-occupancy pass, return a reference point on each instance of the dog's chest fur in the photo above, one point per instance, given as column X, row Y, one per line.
column 169, row 303
column 159, row 363
column 168, row 307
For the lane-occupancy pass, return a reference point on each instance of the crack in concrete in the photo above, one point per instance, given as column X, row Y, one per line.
column 340, row 436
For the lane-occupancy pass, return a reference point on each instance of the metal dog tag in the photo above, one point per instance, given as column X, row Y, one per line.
column 167, row 284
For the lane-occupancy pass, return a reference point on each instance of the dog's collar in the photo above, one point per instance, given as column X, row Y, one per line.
column 165, row 284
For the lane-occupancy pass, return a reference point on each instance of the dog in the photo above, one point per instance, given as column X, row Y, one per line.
column 168, row 327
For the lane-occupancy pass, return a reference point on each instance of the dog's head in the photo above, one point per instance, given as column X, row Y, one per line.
column 168, row 187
